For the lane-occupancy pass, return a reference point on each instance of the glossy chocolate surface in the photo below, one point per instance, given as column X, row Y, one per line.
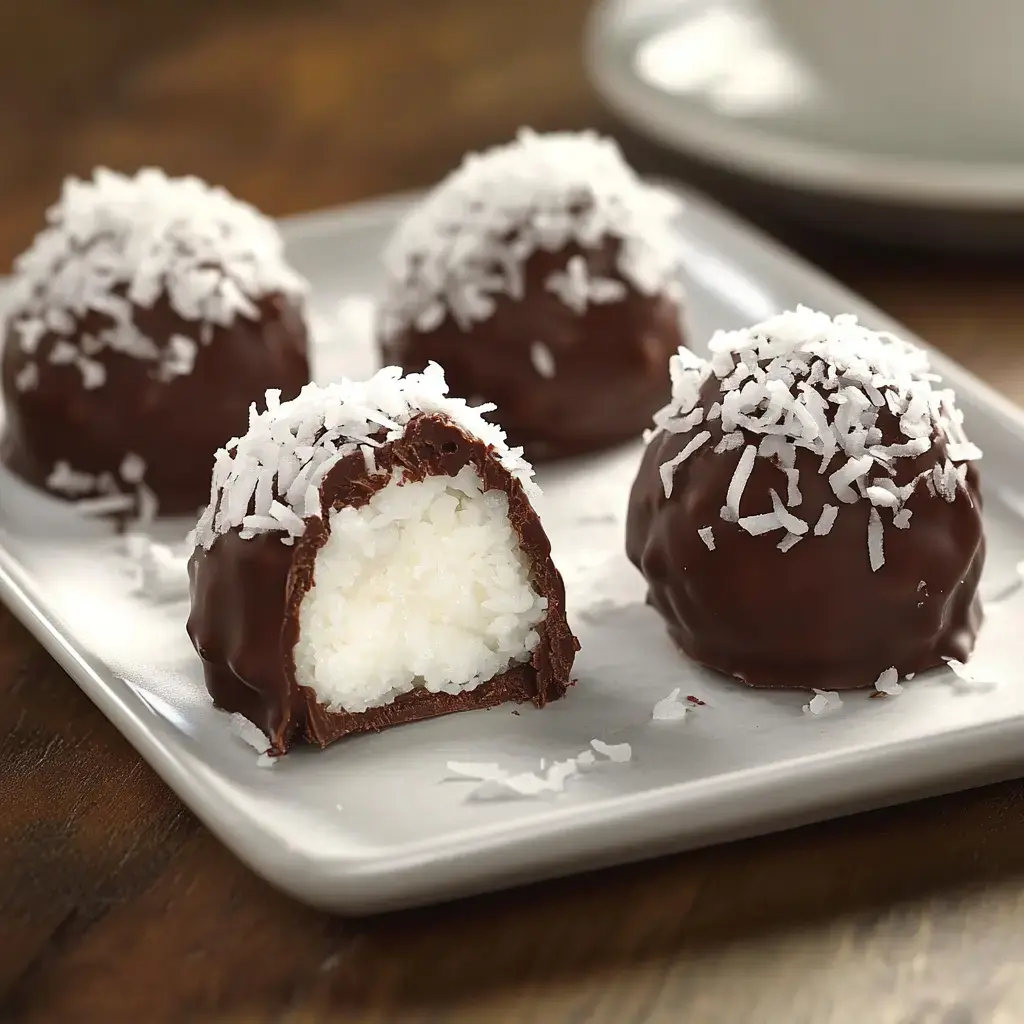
column 610, row 362
column 246, row 595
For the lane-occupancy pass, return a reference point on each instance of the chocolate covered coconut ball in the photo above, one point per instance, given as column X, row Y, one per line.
column 144, row 320
column 371, row 557
column 807, row 512
column 544, row 276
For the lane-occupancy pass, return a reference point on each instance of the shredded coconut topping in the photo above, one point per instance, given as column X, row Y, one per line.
column 805, row 380
column 115, row 242
column 268, row 480
column 468, row 240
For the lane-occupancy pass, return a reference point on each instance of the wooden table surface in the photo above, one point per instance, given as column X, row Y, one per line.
column 115, row 904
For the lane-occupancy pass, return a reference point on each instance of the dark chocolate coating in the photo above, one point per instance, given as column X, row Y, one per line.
column 176, row 426
column 816, row 615
column 611, row 361
column 246, row 594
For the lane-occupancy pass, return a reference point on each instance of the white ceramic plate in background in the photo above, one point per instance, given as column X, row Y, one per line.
column 758, row 86
column 375, row 822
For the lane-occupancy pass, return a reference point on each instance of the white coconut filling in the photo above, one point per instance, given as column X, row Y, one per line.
column 424, row 587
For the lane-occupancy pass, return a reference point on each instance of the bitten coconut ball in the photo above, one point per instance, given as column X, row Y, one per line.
column 807, row 512
column 544, row 276
column 370, row 556
column 144, row 320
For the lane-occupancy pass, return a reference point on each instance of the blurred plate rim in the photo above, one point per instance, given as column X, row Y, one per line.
column 780, row 160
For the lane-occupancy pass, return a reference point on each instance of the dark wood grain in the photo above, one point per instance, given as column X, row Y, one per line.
column 116, row 905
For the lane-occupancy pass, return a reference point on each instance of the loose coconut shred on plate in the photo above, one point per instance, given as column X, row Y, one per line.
column 806, row 380
column 497, row 782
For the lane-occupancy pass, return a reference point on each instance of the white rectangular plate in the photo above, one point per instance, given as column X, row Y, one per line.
column 377, row 822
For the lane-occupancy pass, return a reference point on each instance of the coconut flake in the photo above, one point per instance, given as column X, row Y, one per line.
column 498, row 782
column 369, row 460
column 789, row 541
column 729, row 442
column 787, row 520
column 160, row 571
column 901, row 520
column 826, row 520
column 27, row 378
column 765, row 523
column 618, row 752
column 889, row 682
column 578, row 290
column 146, row 505
column 882, row 496
column 667, row 469
column 469, row 240
column 854, row 469
column 793, row 495
column 670, row 708
column 69, row 482
column 29, row 332
column 63, row 353
column 681, row 424
column 740, row 476
column 105, row 505
column 707, row 535
column 179, row 358
column 963, row 451
column 249, row 733
column 132, row 469
column 966, row 674
column 542, row 359
column 876, row 553
column 288, row 518
column 823, row 702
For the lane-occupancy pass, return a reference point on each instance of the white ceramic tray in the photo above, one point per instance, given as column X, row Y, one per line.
column 377, row 822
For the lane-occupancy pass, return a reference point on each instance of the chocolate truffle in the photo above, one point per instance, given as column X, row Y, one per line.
column 143, row 322
column 371, row 557
column 544, row 276
column 807, row 511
